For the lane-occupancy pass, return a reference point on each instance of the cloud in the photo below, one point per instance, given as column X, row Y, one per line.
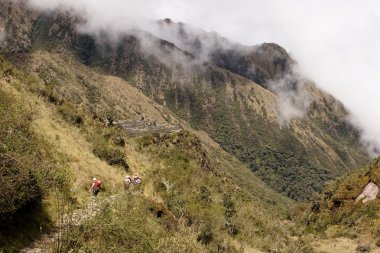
column 336, row 43
column 294, row 98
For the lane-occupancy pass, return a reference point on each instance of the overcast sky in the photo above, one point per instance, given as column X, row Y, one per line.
column 335, row 42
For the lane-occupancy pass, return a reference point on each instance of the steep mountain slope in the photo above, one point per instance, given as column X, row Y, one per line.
column 237, row 94
column 190, row 112
column 195, row 196
column 338, row 202
column 339, row 213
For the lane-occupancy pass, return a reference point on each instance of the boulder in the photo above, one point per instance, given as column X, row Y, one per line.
column 369, row 193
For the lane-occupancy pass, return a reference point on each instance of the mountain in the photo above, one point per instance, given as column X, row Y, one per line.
column 58, row 131
column 243, row 97
column 214, row 128
column 192, row 188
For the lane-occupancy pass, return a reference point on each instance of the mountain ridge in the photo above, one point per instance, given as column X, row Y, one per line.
column 247, row 128
column 219, row 96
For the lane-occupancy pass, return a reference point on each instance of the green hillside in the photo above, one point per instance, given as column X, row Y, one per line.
column 191, row 188
column 218, row 96
column 221, row 166
column 339, row 220
column 335, row 209
column 243, row 118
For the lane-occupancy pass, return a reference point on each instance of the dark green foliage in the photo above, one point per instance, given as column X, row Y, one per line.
column 231, row 229
column 201, row 98
column 50, row 96
column 290, row 173
column 336, row 205
column 274, row 154
column 204, row 195
column 112, row 155
column 28, row 171
column 205, row 236
column 121, row 227
column 70, row 114
column 229, row 207
column 119, row 141
column 108, row 144
column 25, row 159
column 45, row 37
column 229, row 212
column 23, row 226
column 86, row 48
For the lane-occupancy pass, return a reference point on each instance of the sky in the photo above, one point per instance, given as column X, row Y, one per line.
column 335, row 42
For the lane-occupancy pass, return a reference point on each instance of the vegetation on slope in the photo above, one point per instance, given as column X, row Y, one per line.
column 231, row 109
column 175, row 86
column 240, row 118
column 190, row 190
column 335, row 216
column 30, row 170
column 194, row 206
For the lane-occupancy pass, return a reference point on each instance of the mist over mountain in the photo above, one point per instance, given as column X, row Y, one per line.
column 234, row 144
column 336, row 52
column 199, row 46
column 249, row 99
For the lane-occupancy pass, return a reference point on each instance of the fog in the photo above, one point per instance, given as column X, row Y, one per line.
column 336, row 43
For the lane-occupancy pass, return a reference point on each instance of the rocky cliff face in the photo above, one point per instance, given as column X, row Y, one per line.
column 248, row 99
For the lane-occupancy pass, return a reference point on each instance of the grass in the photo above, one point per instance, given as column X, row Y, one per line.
column 334, row 214
column 242, row 118
column 207, row 196
column 195, row 197
column 30, row 170
column 240, row 115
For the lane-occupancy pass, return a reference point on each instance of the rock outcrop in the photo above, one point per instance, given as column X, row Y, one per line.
column 369, row 193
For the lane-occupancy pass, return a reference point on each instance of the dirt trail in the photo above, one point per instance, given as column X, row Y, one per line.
column 76, row 218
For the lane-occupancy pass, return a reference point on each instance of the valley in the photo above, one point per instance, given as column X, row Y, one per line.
column 236, row 150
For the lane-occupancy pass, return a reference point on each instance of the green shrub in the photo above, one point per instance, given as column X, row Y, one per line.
column 229, row 207
column 70, row 114
column 112, row 155
column 29, row 169
column 204, row 195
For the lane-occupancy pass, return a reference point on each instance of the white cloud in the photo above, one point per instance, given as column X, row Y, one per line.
column 336, row 43
column 293, row 95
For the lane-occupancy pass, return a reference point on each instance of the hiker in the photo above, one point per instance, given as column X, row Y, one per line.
column 96, row 186
column 127, row 182
column 136, row 180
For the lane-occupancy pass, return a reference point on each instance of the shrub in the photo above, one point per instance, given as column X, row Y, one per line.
column 29, row 169
column 204, row 195
column 70, row 114
column 112, row 155
column 229, row 207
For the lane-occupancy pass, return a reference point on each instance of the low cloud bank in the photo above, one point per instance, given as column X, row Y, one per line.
column 294, row 98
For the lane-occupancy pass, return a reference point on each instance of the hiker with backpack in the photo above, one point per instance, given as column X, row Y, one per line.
column 96, row 186
column 136, row 181
column 127, row 182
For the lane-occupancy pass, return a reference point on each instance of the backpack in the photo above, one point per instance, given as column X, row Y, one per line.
column 98, row 183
